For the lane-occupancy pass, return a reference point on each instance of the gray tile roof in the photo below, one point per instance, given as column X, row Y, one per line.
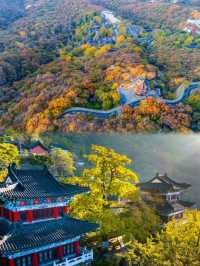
column 163, row 184
column 38, row 183
column 24, row 237
column 168, row 208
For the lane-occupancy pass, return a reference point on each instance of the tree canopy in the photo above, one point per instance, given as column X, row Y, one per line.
column 62, row 162
column 113, row 201
column 178, row 244
column 8, row 154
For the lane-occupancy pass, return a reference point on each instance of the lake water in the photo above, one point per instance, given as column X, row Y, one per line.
column 176, row 155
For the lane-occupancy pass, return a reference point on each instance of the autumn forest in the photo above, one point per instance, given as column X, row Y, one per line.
column 139, row 64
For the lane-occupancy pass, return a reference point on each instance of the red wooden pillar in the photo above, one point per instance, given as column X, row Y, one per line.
column 35, row 261
column 11, row 262
column 60, row 252
column 30, row 216
column 76, row 246
column 55, row 212
column 15, row 217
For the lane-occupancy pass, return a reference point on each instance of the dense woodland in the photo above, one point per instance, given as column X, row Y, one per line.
column 34, row 38
column 61, row 54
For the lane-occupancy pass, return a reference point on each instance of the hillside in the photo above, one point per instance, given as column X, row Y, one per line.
column 34, row 38
column 63, row 54
column 10, row 10
column 103, row 58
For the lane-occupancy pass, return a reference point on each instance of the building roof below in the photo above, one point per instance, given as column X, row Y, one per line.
column 19, row 237
column 168, row 208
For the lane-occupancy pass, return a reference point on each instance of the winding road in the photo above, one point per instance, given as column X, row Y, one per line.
column 182, row 95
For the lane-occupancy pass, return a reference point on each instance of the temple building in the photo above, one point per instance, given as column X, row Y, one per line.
column 38, row 148
column 35, row 147
column 35, row 225
column 165, row 196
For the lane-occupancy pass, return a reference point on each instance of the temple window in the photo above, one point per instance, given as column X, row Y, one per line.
column 40, row 257
column 29, row 261
column 24, row 261
column 42, row 214
column 18, row 262
column 46, row 256
column 61, row 211
column 23, row 216
column 69, row 249
column 173, row 197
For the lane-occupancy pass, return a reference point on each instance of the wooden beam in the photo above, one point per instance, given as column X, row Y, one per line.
column 76, row 246
column 15, row 217
column 55, row 212
column 11, row 262
column 30, row 216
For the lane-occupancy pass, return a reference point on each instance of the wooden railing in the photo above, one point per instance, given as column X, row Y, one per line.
column 85, row 257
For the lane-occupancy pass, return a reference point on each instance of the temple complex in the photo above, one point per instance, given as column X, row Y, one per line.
column 35, row 225
column 166, row 196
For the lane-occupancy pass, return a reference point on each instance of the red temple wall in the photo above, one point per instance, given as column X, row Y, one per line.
column 34, row 215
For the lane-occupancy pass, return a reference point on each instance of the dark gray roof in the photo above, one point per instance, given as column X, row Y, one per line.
column 38, row 183
column 28, row 236
column 163, row 184
column 169, row 207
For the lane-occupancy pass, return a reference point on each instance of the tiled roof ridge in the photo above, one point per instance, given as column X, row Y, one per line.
column 46, row 223
column 166, row 179
column 32, row 183
column 170, row 181
column 36, row 235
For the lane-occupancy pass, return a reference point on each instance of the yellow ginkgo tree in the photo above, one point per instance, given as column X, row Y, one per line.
column 178, row 244
column 113, row 201
column 8, row 154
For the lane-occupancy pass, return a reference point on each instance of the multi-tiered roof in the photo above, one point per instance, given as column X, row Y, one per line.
column 163, row 184
column 165, row 194
column 24, row 231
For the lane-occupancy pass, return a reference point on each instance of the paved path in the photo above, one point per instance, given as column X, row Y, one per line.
column 183, row 94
